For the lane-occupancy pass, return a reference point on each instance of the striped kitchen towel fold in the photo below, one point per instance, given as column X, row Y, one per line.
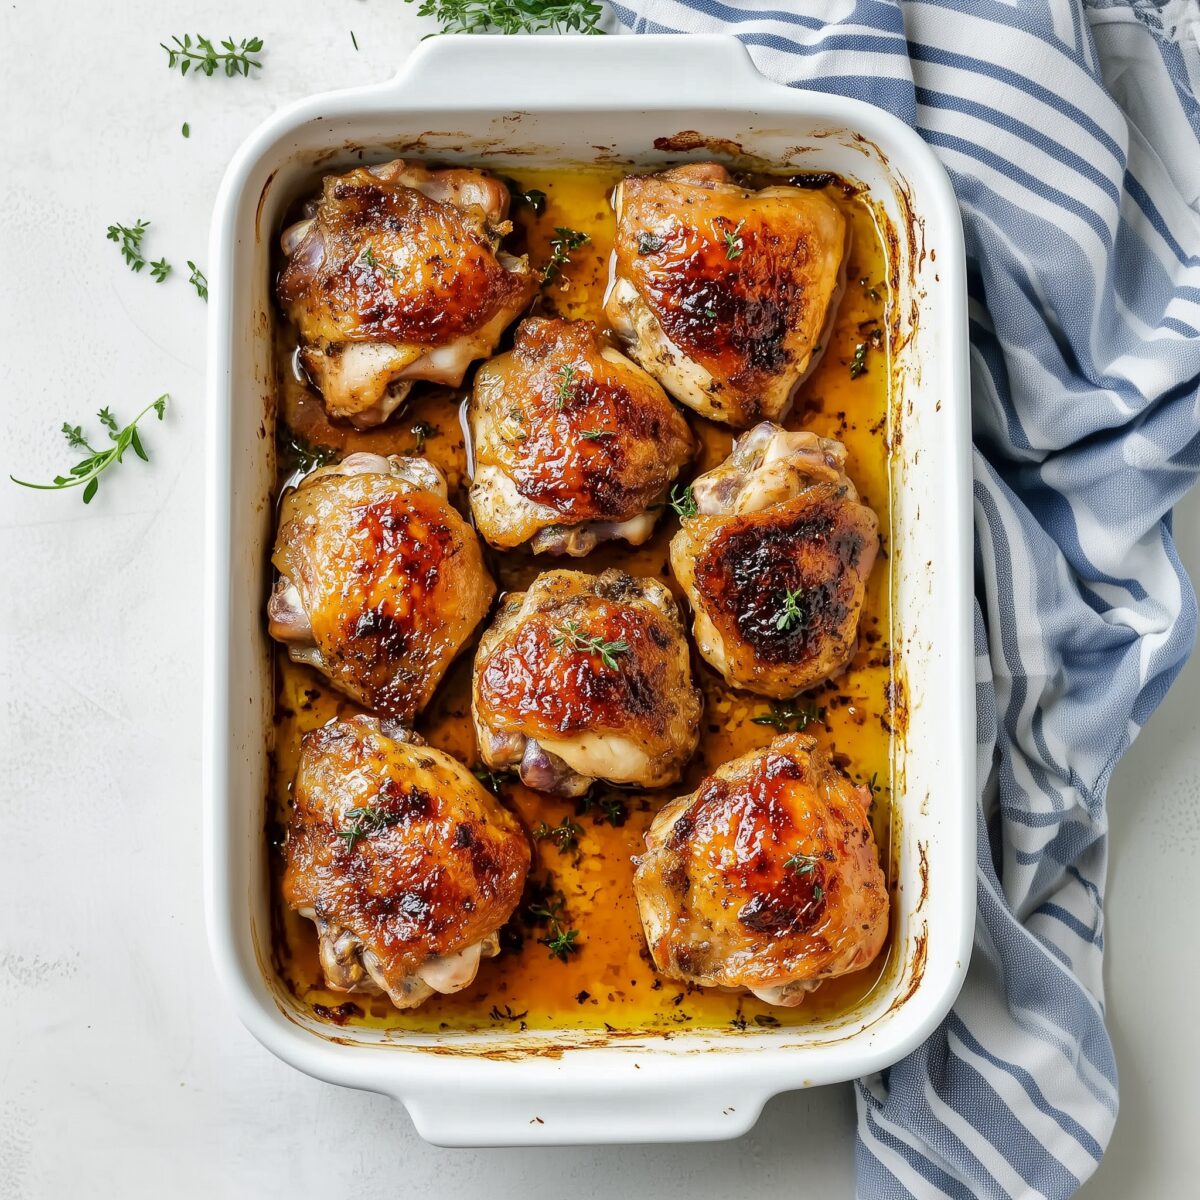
column 1071, row 132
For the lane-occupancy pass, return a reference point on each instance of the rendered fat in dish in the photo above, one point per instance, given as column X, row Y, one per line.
column 405, row 863
column 722, row 292
column 586, row 677
column 775, row 561
column 573, row 444
column 766, row 878
column 381, row 583
column 394, row 275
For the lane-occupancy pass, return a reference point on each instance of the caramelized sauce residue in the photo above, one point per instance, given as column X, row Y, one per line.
column 609, row 982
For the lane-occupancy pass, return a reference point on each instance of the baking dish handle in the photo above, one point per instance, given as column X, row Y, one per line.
column 580, row 71
column 528, row 1115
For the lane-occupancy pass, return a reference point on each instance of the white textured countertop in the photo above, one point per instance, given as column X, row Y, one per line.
column 122, row 1071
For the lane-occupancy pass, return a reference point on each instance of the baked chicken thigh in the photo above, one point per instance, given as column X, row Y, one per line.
column 775, row 562
column 572, row 442
column 586, row 677
column 406, row 864
column 380, row 582
column 722, row 292
column 395, row 275
column 765, row 878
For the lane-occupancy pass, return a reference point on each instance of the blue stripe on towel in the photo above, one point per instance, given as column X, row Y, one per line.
column 1084, row 283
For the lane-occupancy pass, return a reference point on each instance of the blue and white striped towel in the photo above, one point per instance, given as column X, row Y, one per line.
column 1071, row 132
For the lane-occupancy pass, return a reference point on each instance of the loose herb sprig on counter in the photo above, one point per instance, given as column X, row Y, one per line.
column 129, row 238
column 86, row 473
column 198, row 280
column 513, row 16
column 203, row 57
column 561, row 248
column 790, row 718
column 574, row 640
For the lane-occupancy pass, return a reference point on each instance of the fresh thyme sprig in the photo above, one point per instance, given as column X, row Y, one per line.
column 802, row 864
column 506, row 1013
column 535, row 198
column 593, row 435
column 564, row 835
column 733, row 242
column 86, row 473
column 204, row 57
column 790, row 718
column 160, row 270
column 604, row 810
column 422, row 431
column 129, row 238
column 198, row 280
column 791, row 613
column 574, row 640
column 492, row 780
column 561, row 248
column 683, row 501
column 513, row 16
column 559, row 940
column 363, row 822
column 858, row 364
column 566, row 375
column 303, row 455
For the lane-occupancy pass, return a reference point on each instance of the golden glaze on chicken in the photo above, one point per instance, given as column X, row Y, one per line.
column 765, row 878
column 776, row 561
column 721, row 292
column 395, row 276
column 405, row 863
column 381, row 582
column 572, row 442
column 586, row 677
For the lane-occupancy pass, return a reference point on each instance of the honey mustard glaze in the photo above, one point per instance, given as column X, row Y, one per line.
column 605, row 980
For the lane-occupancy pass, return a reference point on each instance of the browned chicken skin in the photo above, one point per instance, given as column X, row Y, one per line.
column 765, row 878
column 572, row 442
column 396, row 276
column 721, row 292
column 586, row 677
column 381, row 582
column 776, row 561
column 405, row 863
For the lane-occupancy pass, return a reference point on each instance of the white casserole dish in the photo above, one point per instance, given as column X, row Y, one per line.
column 571, row 100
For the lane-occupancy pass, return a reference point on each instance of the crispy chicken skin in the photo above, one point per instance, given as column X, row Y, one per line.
column 381, row 582
column 586, row 677
column 721, row 292
column 395, row 276
column 572, row 442
column 405, row 863
column 765, row 878
column 776, row 561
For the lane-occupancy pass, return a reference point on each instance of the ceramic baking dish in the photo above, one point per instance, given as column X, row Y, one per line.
column 556, row 101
